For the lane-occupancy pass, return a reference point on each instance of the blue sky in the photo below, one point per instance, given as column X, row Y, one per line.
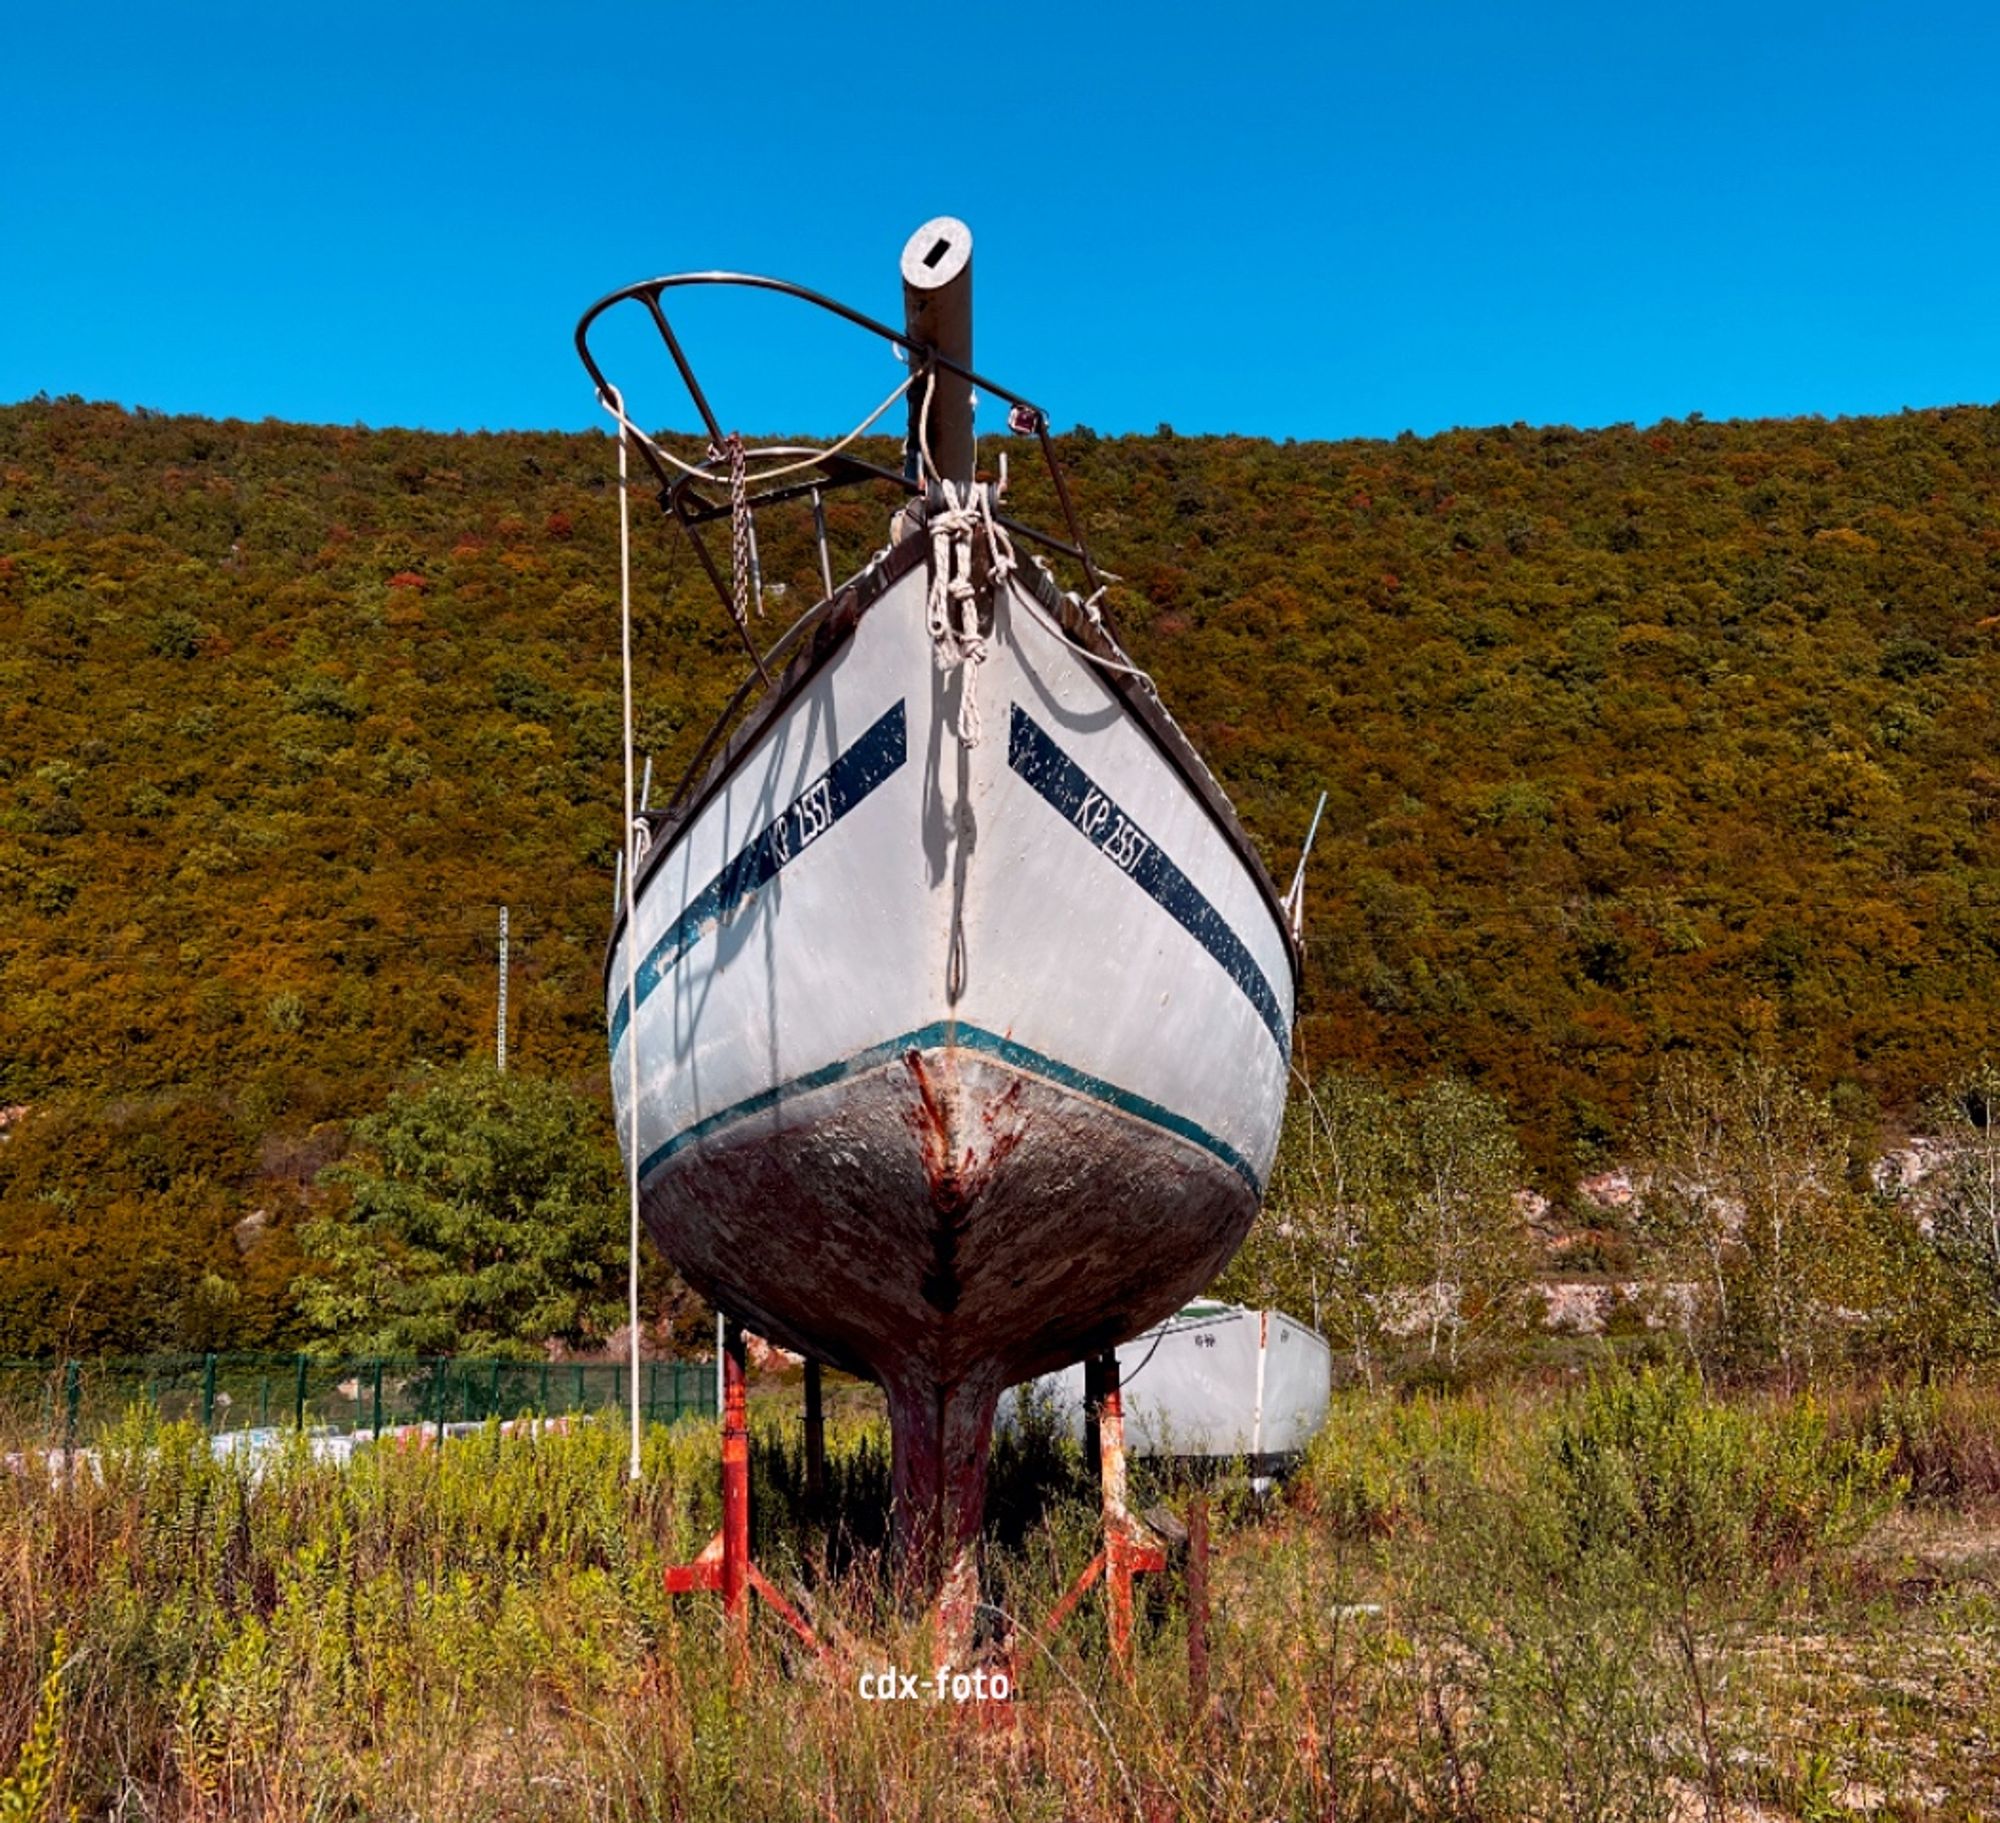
column 1288, row 221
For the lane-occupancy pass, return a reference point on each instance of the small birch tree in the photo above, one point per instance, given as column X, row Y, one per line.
column 1322, row 1248
column 1461, row 1232
column 1389, row 1219
column 1964, row 1189
column 1747, row 1199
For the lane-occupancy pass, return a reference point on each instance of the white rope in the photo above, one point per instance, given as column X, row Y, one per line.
column 634, row 852
column 952, row 611
column 1089, row 610
column 930, row 469
column 757, row 477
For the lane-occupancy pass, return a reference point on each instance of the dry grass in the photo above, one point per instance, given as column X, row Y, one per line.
column 1617, row 1602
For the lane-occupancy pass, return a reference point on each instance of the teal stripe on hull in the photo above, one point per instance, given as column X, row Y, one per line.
column 968, row 1038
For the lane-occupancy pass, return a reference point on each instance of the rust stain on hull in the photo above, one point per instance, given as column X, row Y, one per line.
column 961, row 1141
column 946, row 1226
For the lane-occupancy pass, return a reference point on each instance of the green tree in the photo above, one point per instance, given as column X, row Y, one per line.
column 1393, row 1218
column 1747, row 1197
column 483, row 1214
column 1322, row 1248
column 1963, row 1195
column 1459, row 1230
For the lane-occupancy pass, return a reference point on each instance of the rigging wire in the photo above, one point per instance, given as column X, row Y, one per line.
column 757, row 477
column 955, row 519
column 615, row 403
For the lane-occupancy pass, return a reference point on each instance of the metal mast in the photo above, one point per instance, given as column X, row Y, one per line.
column 937, row 315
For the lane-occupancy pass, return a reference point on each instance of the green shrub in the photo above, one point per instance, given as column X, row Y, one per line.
column 27, row 1794
column 1943, row 1439
column 1700, row 1491
column 1377, row 1464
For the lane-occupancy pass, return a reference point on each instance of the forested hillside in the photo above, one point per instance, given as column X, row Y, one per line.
column 1636, row 740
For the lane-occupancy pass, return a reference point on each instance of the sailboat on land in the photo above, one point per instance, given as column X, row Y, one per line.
column 956, row 1001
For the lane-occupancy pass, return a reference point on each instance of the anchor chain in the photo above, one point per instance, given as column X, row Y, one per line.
column 741, row 567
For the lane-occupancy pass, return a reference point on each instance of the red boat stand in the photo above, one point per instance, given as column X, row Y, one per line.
column 1129, row 1547
column 724, row 1563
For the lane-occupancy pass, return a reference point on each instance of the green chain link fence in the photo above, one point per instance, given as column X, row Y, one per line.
column 66, row 1402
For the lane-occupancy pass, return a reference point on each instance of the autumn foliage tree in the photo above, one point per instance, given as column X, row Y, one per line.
column 1638, row 742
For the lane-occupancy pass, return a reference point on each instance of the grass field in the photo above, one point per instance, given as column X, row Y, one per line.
column 1615, row 1599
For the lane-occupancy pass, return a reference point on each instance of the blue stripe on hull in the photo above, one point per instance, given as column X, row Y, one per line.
column 946, row 1033
column 873, row 758
column 1089, row 810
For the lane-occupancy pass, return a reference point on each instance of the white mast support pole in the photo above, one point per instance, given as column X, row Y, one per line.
column 646, row 787
column 1295, row 898
column 819, row 529
column 631, row 916
column 500, row 1035
column 937, row 314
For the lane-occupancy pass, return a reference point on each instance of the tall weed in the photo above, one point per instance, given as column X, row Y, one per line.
column 1499, row 1604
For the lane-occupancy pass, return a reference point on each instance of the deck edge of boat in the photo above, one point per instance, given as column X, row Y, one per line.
column 826, row 628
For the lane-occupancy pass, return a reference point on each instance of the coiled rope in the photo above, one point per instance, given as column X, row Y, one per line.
column 952, row 609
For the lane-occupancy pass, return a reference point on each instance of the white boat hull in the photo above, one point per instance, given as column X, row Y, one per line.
column 955, row 1063
column 1211, row 1381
